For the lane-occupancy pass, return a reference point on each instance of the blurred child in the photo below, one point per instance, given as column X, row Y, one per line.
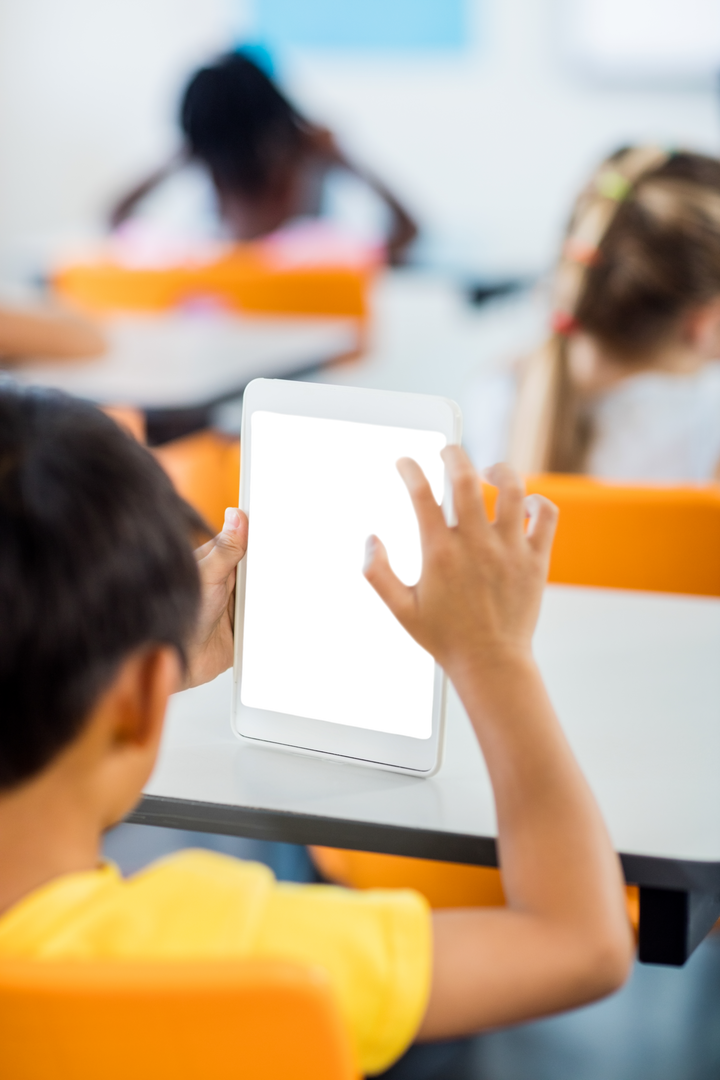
column 30, row 333
column 628, row 385
column 268, row 164
column 102, row 616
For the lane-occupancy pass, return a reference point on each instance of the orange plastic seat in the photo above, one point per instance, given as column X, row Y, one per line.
column 245, row 278
column 183, row 1020
column 618, row 536
column 205, row 469
column 659, row 539
column 444, row 885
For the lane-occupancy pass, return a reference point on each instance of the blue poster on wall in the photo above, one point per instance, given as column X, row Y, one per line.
column 363, row 24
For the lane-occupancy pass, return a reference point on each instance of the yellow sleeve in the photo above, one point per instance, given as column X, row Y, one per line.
column 376, row 946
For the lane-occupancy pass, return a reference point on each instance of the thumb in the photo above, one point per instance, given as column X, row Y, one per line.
column 385, row 582
column 228, row 548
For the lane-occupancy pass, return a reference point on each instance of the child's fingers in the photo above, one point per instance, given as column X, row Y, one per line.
column 467, row 493
column 542, row 520
column 429, row 514
column 510, row 505
column 385, row 582
column 228, row 547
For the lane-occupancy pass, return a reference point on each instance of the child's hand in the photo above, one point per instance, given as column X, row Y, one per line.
column 479, row 593
column 211, row 651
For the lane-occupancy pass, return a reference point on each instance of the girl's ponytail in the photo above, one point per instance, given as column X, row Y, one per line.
column 548, row 432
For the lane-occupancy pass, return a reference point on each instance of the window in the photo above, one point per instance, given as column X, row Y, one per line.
column 363, row 24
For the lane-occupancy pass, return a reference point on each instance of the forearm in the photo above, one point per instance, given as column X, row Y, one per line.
column 557, row 859
column 563, row 938
column 125, row 206
column 403, row 228
column 47, row 334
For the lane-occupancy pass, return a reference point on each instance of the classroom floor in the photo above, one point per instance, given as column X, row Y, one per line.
column 664, row 1024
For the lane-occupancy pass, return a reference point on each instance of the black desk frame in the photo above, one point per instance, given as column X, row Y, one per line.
column 679, row 899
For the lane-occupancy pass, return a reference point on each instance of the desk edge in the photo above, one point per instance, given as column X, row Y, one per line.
column 292, row 828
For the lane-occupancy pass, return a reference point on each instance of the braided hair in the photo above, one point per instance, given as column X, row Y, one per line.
column 642, row 248
column 238, row 123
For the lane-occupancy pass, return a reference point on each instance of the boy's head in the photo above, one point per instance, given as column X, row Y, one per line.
column 95, row 564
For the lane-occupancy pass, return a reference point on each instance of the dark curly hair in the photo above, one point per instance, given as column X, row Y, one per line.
column 237, row 122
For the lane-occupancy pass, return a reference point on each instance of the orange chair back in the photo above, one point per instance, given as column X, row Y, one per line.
column 659, row 539
column 444, row 885
column 205, row 469
column 245, row 278
column 116, row 1020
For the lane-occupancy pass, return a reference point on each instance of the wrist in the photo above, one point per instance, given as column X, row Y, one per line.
column 483, row 669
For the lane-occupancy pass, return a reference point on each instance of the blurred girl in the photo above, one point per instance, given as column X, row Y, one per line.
column 628, row 385
column 268, row 164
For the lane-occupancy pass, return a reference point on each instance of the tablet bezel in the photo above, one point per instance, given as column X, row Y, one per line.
column 318, row 737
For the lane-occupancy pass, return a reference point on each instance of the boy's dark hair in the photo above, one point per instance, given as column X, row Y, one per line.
column 238, row 123
column 95, row 562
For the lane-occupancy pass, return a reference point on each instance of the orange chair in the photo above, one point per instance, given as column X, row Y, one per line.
column 205, row 469
column 660, row 539
column 170, row 1020
column 618, row 536
column 247, row 278
column 444, row 885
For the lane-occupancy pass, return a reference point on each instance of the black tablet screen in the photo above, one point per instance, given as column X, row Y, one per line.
column 317, row 639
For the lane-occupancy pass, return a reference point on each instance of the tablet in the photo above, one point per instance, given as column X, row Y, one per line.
column 321, row 664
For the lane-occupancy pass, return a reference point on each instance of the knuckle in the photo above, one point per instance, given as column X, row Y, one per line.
column 545, row 510
column 548, row 510
column 423, row 491
column 514, row 487
column 543, row 501
column 466, row 482
column 506, row 475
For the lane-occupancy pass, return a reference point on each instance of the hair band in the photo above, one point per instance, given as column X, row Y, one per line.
column 563, row 323
column 584, row 254
column 612, row 185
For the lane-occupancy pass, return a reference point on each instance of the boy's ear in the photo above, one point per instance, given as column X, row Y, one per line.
column 137, row 700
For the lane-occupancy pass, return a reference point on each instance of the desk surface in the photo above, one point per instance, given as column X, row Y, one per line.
column 189, row 360
column 635, row 678
column 423, row 337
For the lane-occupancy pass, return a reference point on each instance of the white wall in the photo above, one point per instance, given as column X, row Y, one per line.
column 491, row 148
column 88, row 92
column 487, row 147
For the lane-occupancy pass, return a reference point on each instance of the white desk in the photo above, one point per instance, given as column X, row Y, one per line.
column 423, row 337
column 194, row 360
column 635, row 678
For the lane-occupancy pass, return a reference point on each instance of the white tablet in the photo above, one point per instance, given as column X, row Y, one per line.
column 321, row 665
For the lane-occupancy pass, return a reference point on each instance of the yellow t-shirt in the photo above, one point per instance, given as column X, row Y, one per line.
column 375, row 945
